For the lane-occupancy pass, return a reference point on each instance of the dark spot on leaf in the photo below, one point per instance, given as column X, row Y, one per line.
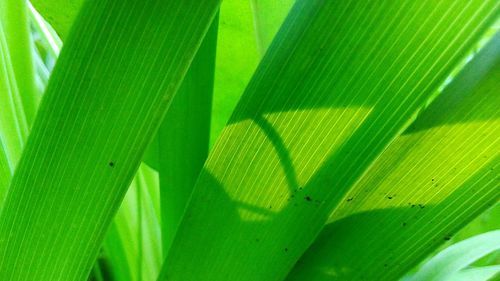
column 404, row 223
column 308, row 198
column 111, row 164
column 350, row 199
column 447, row 237
column 421, row 206
column 432, row 179
column 286, row 249
column 389, row 197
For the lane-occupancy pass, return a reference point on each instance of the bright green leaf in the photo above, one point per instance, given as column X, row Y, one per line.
column 476, row 274
column 268, row 17
column 184, row 136
column 113, row 82
column 235, row 63
column 339, row 82
column 431, row 181
column 15, row 30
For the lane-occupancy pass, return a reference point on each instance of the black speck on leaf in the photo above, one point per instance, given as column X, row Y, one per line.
column 308, row 198
column 421, row 206
column 389, row 197
column 404, row 223
column 111, row 164
column 286, row 249
column 447, row 237
column 350, row 199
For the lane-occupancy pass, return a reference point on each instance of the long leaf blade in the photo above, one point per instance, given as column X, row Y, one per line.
column 431, row 181
column 109, row 91
column 341, row 80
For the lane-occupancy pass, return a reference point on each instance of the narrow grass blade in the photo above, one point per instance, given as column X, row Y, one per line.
column 436, row 177
column 341, row 80
column 109, row 91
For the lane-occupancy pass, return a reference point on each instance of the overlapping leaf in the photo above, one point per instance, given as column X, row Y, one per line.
column 432, row 180
column 113, row 83
column 341, row 80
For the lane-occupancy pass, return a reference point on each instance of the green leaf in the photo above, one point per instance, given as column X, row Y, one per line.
column 184, row 136
column 51, row 40
column 137, row 230
column 268, row 17
column 476, row 274
column 5, row 175
column 431, row 181
column 339, row 82
column 109, row 91
column 456, row 257
column 59, row 13
column 15, row 29
column 236, row 61
column 13, row 123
